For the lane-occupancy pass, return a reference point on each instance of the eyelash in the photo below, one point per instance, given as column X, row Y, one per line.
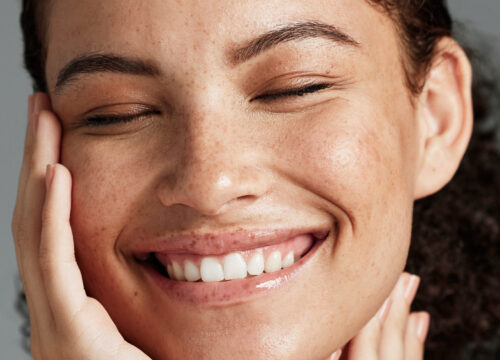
column 309, row 89
column 102, row 120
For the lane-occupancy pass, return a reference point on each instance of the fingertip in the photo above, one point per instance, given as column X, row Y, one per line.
column 57, row 181
column 411, row 288
column 62, row 181
column 40, row 101
column 47, row 131
column 418, row 324
column 30, row 104
column 423, row 325
column 62, row 171
column 336, row 355
column 406, row 287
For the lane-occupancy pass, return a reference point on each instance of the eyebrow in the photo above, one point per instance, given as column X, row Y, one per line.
column 96, row 63
column 291, row 32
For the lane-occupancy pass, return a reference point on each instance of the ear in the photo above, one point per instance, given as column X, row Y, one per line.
column 445, row 117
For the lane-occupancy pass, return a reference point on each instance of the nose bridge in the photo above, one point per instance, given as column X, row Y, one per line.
column 216, row 165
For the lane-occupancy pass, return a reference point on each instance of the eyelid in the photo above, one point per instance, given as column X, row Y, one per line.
column 293, row 92
column 114, row 118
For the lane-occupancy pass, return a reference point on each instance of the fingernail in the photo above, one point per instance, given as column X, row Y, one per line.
column 421, row 326
column 384, row 310
column 336, row 355
column 402, row 283
column 49, row 175
column 411, row 288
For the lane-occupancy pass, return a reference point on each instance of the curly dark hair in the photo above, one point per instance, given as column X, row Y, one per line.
column 456, row 232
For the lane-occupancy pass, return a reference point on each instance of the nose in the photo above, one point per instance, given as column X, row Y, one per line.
column 216, row 169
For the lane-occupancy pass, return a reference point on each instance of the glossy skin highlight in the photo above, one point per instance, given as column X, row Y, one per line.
column 216, row 157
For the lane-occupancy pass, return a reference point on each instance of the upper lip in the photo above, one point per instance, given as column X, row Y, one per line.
column 221, row 243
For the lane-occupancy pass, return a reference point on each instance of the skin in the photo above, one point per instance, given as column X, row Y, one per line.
column 214, row 159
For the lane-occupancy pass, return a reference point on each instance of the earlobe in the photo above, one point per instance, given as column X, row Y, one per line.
column 445, row 118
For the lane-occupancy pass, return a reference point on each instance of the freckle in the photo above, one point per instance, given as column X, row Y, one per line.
column 136, row 293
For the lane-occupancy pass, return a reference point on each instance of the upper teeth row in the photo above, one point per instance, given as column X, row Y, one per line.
column 234, row 267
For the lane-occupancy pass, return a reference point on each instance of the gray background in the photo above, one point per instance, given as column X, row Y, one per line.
column 14, row 89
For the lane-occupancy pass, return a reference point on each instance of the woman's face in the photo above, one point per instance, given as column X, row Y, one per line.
column 216, row 150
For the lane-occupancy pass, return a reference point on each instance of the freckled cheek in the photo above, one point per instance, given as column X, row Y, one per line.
column 105, row 184
column 356, row 167
column 344, row 159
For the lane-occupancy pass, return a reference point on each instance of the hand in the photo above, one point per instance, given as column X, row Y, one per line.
column 65, row 323
column 393, row 333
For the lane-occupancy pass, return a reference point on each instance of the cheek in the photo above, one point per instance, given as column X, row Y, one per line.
column 105, row 188
column 355, row 155
column 358, row 162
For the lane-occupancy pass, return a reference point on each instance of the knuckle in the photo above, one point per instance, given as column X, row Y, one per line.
column 395, row 324
column 45, row 261
column 18, row 231
column 15, row 223
column 48, row 218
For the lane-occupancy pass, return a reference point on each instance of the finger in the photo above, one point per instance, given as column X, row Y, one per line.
column 16, row 218
column 19, row 226
column 83, row 320
column 39, row 146
column 20, row 188
column 393, row 332
column 36, row 103
column 366, row 344
column 45, row 149
column 33, row 106
column 336, row 355
column 416, row 332
column 61, row 274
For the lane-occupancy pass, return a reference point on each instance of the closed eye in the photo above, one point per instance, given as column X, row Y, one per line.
column 109, row 119
column 292, row 93
column 101, row 120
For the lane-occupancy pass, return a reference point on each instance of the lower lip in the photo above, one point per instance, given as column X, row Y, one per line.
column 233, row 291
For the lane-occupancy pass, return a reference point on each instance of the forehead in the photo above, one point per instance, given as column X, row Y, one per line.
column 197, row 31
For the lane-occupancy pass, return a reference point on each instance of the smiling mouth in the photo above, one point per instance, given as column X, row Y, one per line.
column 236, row 265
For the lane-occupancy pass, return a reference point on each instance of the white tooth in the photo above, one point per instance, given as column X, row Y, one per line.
column 288, row 260
column 273, row 262
column 211, row 270
column 235, row 267
column 256, row 264
column 191, row 271
column 170, row 271
column 178, row 272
